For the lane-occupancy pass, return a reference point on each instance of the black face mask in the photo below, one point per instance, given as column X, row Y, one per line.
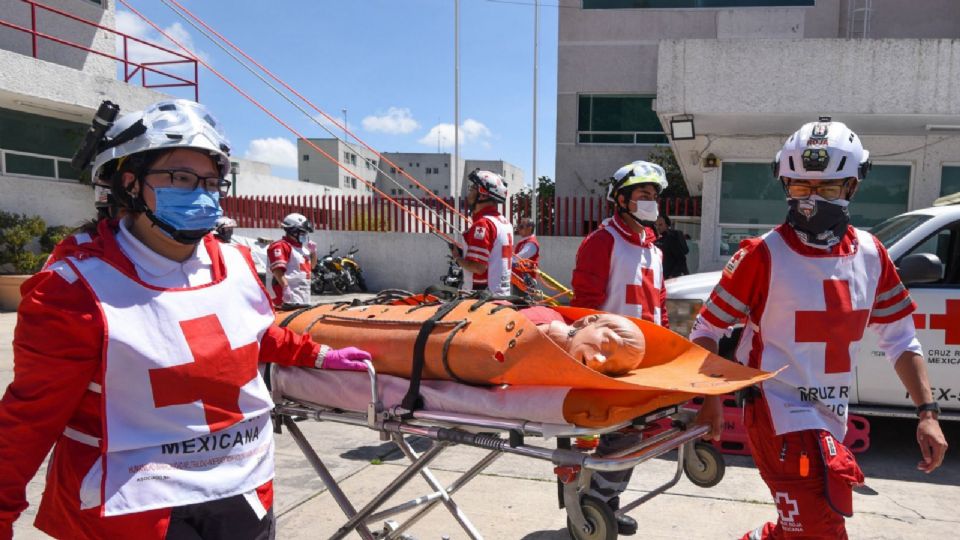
column 226, row 235
column 818, row 222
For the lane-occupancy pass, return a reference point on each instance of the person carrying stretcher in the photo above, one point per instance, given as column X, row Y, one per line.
column 807, row 290
column 136, row 354
column 619, row 269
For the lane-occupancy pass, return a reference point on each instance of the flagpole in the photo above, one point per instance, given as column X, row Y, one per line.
column 536, row 43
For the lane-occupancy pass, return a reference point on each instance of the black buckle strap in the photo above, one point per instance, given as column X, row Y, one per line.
column 412, row 400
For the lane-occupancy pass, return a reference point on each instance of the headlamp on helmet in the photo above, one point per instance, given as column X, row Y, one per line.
column 822, row 150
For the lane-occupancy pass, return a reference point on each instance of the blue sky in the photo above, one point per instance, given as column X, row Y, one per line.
column 388, row 62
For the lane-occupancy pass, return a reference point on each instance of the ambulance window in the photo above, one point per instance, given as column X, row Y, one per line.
column 945, row 244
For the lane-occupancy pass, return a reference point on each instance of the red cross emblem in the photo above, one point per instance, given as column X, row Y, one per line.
column 838, row 326
column 506, row 251
column 646, row 296
column 786, row 507
column 949, row 322
column 214, row 377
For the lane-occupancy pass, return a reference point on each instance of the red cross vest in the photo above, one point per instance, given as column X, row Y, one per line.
column 186, row 414
column 499, row 265
column 816, row 313
column 636, row 277
column 531, row 265
column 297, row 272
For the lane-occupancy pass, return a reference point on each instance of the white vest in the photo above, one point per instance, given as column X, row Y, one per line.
column 813, row 322
column 636, row 278
column 499, row 264
column 297, row 290
column 186, row 414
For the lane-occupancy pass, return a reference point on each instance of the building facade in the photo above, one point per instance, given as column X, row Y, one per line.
column 49, row 92
column 433, row 170
column 315, row 168
column 747, row 73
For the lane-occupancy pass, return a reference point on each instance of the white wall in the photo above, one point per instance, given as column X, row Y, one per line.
column 58, row 203
column 415, row 261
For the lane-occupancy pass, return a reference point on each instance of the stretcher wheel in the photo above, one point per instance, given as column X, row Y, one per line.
column 601, row 522
column 704, row 466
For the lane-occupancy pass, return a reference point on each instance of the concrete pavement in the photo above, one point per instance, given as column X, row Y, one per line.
column 516, row 498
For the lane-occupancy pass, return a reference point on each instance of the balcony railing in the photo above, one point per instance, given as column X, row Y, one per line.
column 131, row 69
column 622, row 137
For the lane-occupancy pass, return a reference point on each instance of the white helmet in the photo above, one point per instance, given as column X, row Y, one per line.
column 489, row 184
column 223, row 222
column 297, row 223
column 822, row 150
column 638, row 172
column 172, row 124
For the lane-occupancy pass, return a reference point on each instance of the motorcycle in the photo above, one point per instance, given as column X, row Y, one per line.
column 454, row 276
column 337, row 274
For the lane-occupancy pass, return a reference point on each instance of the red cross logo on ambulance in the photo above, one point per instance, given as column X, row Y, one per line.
column 786, row 507
column 948, row 321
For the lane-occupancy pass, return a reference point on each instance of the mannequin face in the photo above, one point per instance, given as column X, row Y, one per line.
column 606, row 343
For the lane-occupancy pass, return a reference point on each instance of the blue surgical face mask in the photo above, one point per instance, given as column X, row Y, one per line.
column 192, row 212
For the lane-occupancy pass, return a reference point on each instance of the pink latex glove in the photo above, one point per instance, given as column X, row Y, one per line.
column 349, row 358
column 311, row 246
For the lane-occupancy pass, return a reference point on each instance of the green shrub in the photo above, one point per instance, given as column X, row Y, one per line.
column 17, row 232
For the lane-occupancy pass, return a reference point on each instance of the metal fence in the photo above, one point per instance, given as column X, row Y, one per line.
column 558, row 216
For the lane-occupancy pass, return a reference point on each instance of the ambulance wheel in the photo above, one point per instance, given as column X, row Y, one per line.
column 601, row 522
column 704, row 466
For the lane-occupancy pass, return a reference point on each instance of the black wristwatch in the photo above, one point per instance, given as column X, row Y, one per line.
column 933, row 407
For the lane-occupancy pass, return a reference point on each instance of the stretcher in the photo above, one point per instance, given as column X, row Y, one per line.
column 443, row 372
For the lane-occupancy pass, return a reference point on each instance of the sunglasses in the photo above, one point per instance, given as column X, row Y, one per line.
column 830, row 192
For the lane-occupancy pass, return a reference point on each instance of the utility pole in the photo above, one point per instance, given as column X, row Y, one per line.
column 455, row 166
column 536, row 46
column 345, row 135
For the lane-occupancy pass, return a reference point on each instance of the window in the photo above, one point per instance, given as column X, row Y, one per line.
column 32, row 144
column 950, row 180
column 707, row 4
column 752, row 202
column 306, row 157
column 618, row 119
column 945, row 244
column 883, row 194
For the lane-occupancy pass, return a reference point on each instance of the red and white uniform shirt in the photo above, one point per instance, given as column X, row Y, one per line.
column 527, row 256
column 620, row 271
column 806, row 311
column 151, row 393
column 294, row 259
column 489, row 240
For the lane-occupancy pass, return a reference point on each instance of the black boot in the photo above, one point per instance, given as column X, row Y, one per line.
column 626, row 525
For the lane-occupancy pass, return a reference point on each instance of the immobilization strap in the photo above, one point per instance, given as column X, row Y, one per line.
column 412, row 400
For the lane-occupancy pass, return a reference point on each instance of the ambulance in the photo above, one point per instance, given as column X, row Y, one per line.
column 925, row 247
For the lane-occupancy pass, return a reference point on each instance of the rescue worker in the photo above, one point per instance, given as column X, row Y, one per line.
column 223, row 229
column 136, row 352
column 488, row 243
column 620, row 270
column 807, row 290
column 290, row 264
column 526, row 257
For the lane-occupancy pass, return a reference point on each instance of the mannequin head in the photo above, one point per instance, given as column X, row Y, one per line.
column 610, row 344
